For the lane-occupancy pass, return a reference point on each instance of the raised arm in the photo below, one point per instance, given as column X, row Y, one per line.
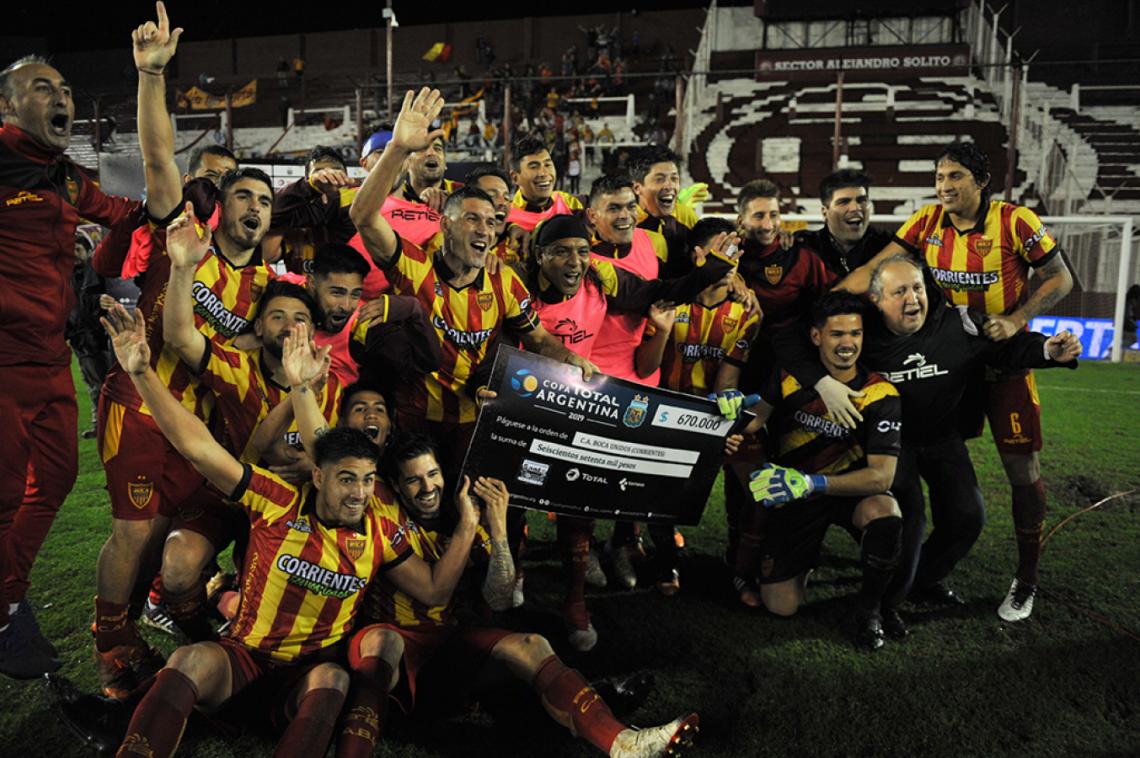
column 859, row 280
column 304, row 367
column 183, row 429
column 433, row 584
column 154, row 45
column 411, row 132
column 186, row 244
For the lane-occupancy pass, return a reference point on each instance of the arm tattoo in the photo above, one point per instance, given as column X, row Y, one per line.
column 321, row 431
column 499, row 585
column 1047, row 297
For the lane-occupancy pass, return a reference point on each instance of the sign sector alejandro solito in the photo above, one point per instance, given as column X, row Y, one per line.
column 604, row 449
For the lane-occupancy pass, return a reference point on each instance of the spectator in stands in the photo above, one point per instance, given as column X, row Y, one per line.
column 846, row 240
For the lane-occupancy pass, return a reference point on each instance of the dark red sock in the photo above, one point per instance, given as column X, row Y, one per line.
column 752, row 520
column 362, row 718
column 1028, row 523
column 156, row 726
column 310, row 731
column 571, row 697
column 190, row 613
column 574, row 542
column 112, row 627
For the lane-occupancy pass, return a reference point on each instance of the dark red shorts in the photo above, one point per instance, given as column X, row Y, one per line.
column 1014, row 410
column 262, row 687
column 459, row 650
column 207, row 513
column 146, row 477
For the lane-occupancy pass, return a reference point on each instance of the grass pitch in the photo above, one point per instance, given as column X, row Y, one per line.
column 1065, row 682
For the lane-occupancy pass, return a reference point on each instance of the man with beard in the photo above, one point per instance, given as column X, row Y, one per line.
column 846, row 239
column 147, row 479
column 311, row 211
column 533, row 172
column 43, row 196
column 656, row 182
column 468, row 306
column 428, row 643
column 413, row 209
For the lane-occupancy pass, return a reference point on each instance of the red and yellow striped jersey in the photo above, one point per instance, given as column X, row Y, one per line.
column 466, row 321
column 529, row 216
column 302, row 581
column 702, row 339
column 245, row 394
column 225, row 297
column 987, row 267
column 385, row 604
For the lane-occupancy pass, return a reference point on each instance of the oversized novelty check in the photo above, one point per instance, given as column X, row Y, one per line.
column 608, row 448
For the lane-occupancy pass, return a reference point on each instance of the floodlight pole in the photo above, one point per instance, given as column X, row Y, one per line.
column 837, row 136
column 1014, row 128
column 390, row 18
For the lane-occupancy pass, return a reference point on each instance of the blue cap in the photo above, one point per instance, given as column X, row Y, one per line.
column 376, row 142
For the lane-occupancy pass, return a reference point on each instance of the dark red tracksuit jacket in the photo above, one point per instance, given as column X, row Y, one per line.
column 43, row 195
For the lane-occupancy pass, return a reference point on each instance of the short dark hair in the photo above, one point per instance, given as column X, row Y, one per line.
column 282, row 288
column 230, row 178
column 360, row 385
column 524, row 146
column 707, row 228
column 648, row 157
column 836, row 303
column 455, row 200
column 969, row 155
column 608, row 184
column 339, row 258
column 755, row 189
column 323, row 152
column 405, row 447
column 486, row 169
column 343, row 442
column 201, row 152
column 842, row 179
column 6, row 74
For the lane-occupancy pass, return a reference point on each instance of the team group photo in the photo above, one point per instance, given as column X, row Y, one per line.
column 683, row 379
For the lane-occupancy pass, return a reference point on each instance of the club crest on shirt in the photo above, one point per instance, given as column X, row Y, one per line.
column 354, row 546
column 636, row 412
column 729, row 322
column 72, row 191
column 774, row 274
column 140, row 493
column 983, row 246
column 485, row 300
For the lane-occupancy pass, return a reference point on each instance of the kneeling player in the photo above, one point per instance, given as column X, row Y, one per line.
column 417, row 636
column 312, row 551
column 842, row 474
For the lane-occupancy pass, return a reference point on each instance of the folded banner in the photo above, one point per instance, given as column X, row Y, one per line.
column 608, row 449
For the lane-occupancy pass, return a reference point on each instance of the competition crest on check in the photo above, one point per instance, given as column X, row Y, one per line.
column 606, row 448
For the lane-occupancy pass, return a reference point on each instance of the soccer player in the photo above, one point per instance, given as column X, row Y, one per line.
column 981, row 252
column 533, row 172
column 311, row 211
column 147, row 479
column 429, row 634
column 313, row 549
column 843, row 473
column 657, row 182
column 510, row 243
column 575, row 294
column 930, row 352
column 708, row 346
column 468, row 306
column 43, row 196
column 846, row 240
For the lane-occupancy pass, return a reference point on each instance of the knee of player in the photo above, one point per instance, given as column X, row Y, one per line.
column 196, row 662
column 780, row 601
column 382, row 643
column 876, row 507
column 328, row 676
column 523, row 648
column 1021, row 469
column 131, row 535
column 183, row 558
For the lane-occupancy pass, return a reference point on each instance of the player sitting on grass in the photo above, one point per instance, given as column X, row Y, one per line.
column 312, row 551
column 841, row 474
